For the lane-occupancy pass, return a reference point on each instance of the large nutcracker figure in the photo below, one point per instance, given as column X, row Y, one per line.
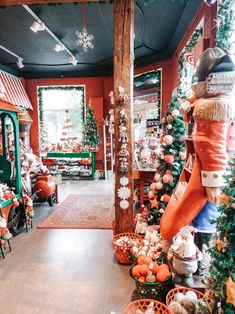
column 213, row 81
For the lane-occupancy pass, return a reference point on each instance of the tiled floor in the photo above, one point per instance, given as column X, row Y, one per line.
column 64, row 271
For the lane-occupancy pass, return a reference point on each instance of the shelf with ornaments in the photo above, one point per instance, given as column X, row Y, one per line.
column 72, row 165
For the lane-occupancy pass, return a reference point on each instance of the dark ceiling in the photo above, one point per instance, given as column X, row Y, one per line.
column 158, row 29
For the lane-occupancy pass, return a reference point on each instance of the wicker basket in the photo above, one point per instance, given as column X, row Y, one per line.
column 151, row 290
column 123, row 257
column 171, row 294
column 143, row 306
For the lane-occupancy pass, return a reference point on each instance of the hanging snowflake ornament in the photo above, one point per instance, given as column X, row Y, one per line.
column 124, row 180
column 124, row 204
column 124, row 193
column 84, row 39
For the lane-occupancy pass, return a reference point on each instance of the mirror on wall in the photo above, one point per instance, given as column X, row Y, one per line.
column 147, row 102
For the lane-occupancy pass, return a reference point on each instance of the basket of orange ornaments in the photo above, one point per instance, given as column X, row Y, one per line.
column 153, row 281
column 123, row 243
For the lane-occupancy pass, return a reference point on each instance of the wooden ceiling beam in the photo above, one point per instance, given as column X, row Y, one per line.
column 21, row 2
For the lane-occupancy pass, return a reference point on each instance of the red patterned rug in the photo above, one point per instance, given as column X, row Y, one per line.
column 81, row 212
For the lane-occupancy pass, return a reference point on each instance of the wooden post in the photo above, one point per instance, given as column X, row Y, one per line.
column 123, row 76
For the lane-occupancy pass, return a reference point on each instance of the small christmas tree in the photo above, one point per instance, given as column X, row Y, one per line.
column 170, row 160
column 221, row 287
column 91, row 137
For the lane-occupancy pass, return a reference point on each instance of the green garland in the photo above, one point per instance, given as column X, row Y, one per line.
column 188, row 47
column 40, row 106
column 225, row 19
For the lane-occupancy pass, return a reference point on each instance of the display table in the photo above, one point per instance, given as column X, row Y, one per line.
column 72, row 165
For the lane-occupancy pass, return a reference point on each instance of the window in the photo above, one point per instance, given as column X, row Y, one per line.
column 61, row 116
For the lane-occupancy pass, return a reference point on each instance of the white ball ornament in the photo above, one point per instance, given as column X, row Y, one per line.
column 175, row 113
column 157, row 177
column 159, row 185
column 175, row 307
column 179, row 297
column 124, row 204
column 168, row 139
column 192, row 295
column 169, row 126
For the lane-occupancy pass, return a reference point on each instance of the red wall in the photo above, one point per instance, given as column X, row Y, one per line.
column 101, row 86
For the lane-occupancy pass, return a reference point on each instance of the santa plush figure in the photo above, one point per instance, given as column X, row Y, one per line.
column 213, row 81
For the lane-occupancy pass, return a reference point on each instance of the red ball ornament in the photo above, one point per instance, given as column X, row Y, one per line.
column 165, row 198
column 169, row 159
column 44, row 189
column 167, row 178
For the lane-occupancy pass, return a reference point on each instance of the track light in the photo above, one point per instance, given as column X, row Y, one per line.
column 59, row 47
column 20, row 63
column 37, row 26
column 73, row 61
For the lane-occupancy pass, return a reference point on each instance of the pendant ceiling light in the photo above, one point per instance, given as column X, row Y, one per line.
column 84, row 39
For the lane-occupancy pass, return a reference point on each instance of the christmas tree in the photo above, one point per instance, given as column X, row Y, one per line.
column 91, row 137
column 221, row 287
column 170, row 160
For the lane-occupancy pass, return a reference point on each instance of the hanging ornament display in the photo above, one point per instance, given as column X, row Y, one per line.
column 123, row 192
column 84, row 40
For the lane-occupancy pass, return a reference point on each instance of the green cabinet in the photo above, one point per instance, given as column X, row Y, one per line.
column 72, row 165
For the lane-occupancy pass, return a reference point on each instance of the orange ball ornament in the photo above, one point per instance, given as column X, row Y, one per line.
column 169, row 159
column 154, row 267
column 136, row 271
column 163, row 267
column 162, row 275
column 147, row 260
column 142, row 279
column 144, row 270
column 140, row 260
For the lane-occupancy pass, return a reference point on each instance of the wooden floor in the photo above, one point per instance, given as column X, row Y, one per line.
column 64, row 271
